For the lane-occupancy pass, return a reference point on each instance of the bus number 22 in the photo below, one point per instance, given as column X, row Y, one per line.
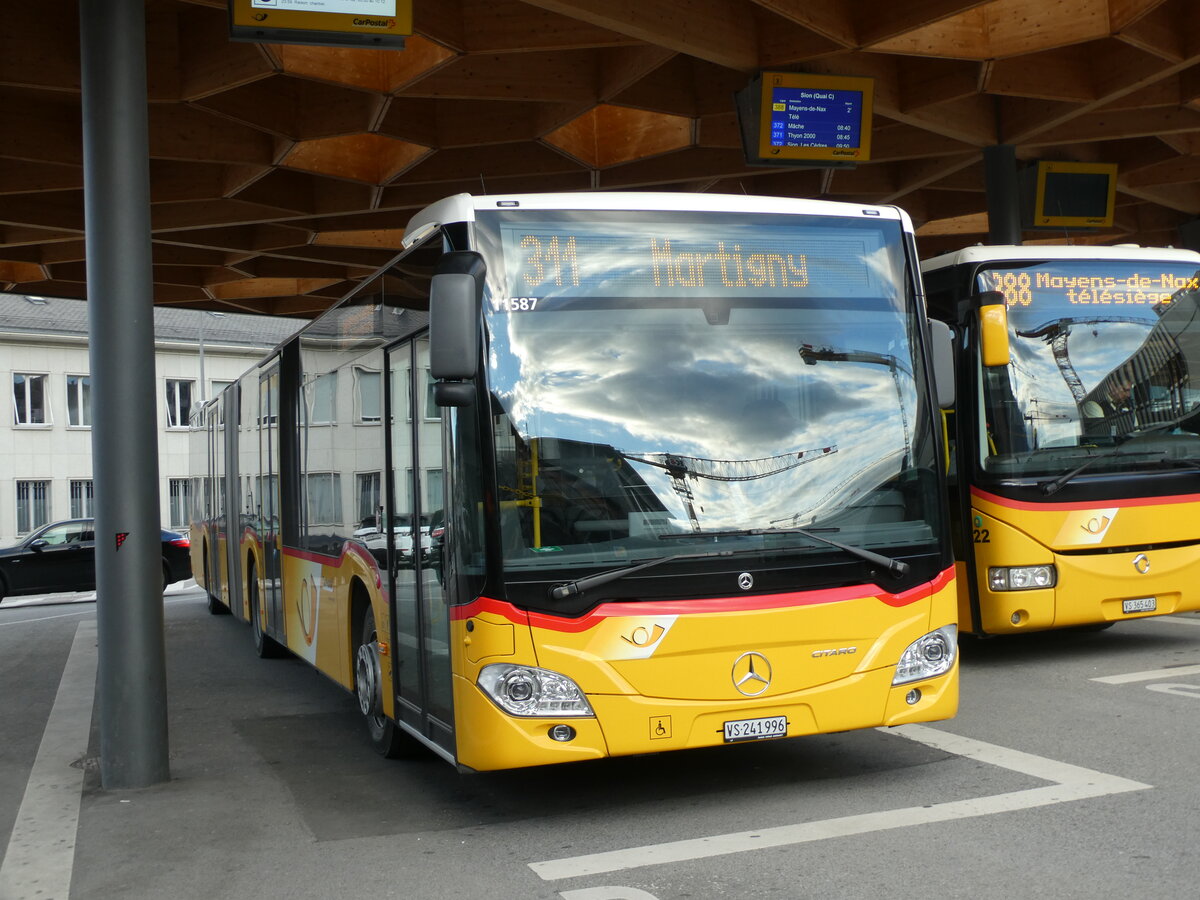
column 982, row 536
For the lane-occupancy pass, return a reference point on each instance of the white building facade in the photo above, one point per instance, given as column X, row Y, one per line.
column 46, row 419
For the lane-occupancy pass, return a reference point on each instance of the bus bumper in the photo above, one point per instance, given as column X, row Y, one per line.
column 630, row 724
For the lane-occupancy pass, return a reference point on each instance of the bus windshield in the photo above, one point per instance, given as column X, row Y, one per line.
column 668, row 384
column 1100, row 371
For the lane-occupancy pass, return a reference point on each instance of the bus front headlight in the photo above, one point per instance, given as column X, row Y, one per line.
column 1022, row 578
column 928, row 656
column 526, row 691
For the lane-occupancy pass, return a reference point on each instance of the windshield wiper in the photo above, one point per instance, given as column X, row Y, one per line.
column 571, row 588
column 1049, row 487
column 896, row 567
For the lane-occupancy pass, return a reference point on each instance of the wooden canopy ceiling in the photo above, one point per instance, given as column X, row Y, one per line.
column 282, row 175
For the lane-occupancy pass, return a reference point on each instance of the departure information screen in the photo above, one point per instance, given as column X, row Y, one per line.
column 814, row 118
column 549, row 260
column 1090, row 283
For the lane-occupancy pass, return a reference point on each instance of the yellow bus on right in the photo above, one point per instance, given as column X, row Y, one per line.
column 1074, row 449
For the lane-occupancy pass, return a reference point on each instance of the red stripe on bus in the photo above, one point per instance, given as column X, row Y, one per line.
column 1091, row 504
column 698, row 607
column 349, row 548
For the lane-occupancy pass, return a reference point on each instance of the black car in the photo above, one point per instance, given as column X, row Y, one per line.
column 61, row 556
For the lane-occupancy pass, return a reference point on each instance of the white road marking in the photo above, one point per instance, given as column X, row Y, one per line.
column 85, row 612
column 18, row 602
column 41, row 848
column 1149, row 675
column 1179, row 690
column 1069, row 783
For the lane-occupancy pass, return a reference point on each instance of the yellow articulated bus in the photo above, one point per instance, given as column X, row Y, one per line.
column 586, row 475
column 1074, row 483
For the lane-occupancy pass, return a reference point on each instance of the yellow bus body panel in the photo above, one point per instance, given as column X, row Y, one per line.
column 664, row 679
column 316, row 609
column 1091, row 586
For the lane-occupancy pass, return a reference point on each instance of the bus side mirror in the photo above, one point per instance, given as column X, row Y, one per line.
column 454, row 329
column 941, row 345
column 993, row 329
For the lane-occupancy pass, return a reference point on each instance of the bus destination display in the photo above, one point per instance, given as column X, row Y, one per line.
column 1127, row 285
column 809, row 117
column 547, row 262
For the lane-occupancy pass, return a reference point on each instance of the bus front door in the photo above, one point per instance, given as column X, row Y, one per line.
column 414, row 499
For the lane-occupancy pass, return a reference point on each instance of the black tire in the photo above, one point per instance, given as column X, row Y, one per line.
column 388, row 738
column 215, row 606
column 265, row 646
column 166, row 572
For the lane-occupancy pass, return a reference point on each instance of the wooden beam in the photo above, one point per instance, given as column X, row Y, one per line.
column 1017, row 27
column 485, row 163
column 1102, row 126
column 555, row 76
column 1158, row 31
column 37, row 50
column 833, row 20
column 1063, row 74
column 207, row 60
column 916, row 174
column 57, row 210
column 1131, row 71
column 508, row 26
column 19, row 176
column 375, row 238
column 927, row 82
column 50, row 126
column 671, row 89
column 783, row 43
column 1122, row 13
column 622, row 67
column 183, row 132
column 716, row 30
column 673, row 168
column 877, row 22
column 1181, row 170
column 297, row 108
column 1184, row 198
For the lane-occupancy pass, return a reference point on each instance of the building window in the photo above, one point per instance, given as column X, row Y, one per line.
column 179, row 402
column 433, row 490
column 180, row 490
column 29, row 399
column 83, row 503
column 319, row 395
column 33, row 505
column 324, row 500
column 368, row 497
column 370, row 399
column 432, row 410
column 79, row 401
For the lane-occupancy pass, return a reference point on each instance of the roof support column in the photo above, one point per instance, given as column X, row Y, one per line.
column 129, row 607
column 1003, row 198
